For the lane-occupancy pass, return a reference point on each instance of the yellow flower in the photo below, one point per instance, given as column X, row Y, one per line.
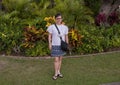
column 49, row 19
column 74, row 35
column 46, row 19
column 53, row 18
column 48, row 24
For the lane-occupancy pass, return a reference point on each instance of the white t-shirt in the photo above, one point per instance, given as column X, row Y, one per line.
column 55, row 35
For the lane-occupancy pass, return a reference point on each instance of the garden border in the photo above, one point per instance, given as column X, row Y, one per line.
column 49, row 57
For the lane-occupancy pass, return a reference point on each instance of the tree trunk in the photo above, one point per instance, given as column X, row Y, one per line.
column 108, row 7
column 0, row 4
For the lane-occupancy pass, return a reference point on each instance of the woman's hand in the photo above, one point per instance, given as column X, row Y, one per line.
column 50, row 46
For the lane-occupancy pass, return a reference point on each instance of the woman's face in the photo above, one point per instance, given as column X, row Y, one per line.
column 58, row 20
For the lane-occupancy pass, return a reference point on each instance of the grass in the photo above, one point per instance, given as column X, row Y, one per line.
column 84, row 70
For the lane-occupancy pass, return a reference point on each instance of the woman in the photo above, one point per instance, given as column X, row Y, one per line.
column 55, row 42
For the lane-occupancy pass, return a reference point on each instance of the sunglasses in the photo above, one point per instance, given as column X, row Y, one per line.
column 58, row 18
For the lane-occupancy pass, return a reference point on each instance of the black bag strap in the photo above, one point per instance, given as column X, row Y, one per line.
column 58, row 30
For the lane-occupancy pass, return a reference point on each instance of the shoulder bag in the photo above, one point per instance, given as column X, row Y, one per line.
column 64, row 45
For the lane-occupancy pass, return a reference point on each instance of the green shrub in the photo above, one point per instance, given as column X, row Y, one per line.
column 40, row 49
column 10, row 33
column 99, row 39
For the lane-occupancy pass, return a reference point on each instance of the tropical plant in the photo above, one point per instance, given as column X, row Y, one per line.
column 75, row 38
column 32, row 35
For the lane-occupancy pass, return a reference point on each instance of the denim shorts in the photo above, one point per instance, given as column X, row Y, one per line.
column 57, row 51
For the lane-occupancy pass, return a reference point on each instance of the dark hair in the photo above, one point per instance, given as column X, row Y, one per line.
column 58, row 14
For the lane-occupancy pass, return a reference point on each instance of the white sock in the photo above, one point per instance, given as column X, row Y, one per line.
column 58, row 72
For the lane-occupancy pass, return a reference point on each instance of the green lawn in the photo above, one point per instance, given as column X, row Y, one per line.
column 84, row 70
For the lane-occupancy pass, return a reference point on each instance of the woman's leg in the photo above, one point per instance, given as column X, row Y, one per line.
column 56, row 65
column 60, row 62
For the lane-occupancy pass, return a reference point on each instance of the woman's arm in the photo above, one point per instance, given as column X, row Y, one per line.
column 50, row 41
column 66, row 38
